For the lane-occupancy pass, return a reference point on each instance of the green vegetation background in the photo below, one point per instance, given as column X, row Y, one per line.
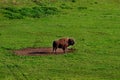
column 94, row 24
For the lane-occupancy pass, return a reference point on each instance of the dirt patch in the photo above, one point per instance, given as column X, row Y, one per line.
column 41, row 51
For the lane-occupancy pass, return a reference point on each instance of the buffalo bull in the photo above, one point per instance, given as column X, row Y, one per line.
column 62, row 43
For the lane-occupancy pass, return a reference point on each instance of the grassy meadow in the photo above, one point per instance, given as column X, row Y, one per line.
column 94, row 24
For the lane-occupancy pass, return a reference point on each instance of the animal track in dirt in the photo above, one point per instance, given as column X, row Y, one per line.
column 41, row 51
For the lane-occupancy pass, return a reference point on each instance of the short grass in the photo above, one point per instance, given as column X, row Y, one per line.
column 96, row 31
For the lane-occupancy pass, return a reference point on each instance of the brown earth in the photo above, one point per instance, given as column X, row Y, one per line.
column 41, row 51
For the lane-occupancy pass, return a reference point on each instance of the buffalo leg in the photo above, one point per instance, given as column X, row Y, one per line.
column 64, row 49
column 54, row 49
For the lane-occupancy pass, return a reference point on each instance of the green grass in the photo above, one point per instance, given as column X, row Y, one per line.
column 95, row 26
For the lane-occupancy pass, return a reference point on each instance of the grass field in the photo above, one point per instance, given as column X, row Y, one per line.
column 95, row 26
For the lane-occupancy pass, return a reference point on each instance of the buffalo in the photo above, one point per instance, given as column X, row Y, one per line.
column 62, row 43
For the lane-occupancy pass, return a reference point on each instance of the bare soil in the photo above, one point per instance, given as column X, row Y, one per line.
column 41, row 51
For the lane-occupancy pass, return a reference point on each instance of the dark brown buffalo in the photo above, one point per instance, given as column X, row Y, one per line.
column 62, row 43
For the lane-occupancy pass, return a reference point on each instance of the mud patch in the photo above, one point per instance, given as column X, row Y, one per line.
column 41, row 51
